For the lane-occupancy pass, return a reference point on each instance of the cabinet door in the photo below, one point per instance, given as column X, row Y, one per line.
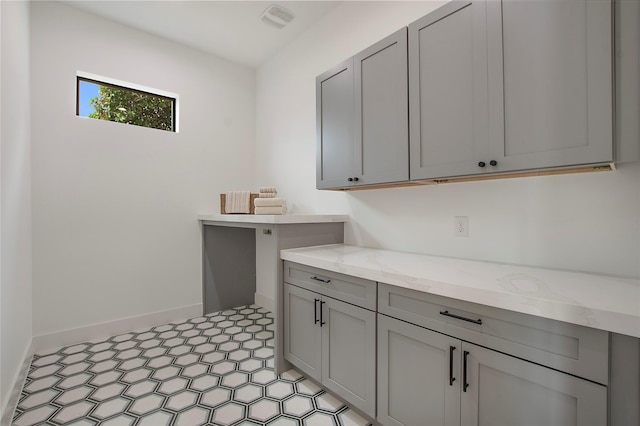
column 448, row 91
column 418, row 375
column 550, row 82
column 381, row 129
column 504, row 390
column 302, row 334
column 334, row 127
column 349, row 353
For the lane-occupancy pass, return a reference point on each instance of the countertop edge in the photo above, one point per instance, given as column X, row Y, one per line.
column 273, row 219
column 574, row 313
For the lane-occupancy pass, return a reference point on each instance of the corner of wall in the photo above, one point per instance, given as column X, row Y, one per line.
column 11, row 402
column 15, row 204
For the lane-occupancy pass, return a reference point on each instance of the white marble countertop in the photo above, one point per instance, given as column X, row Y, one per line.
column 597, row 301
column 272, row 219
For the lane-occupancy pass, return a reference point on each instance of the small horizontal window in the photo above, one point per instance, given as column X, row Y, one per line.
column 106, row 101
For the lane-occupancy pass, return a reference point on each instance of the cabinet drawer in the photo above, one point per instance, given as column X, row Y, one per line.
column 356, row 291
column 574, row 349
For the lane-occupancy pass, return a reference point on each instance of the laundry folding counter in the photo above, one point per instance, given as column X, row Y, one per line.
column 241, row 255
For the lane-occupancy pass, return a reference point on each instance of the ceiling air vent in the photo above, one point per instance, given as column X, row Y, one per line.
column 277, row 16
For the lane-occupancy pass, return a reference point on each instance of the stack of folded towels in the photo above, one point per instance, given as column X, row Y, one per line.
column 268, row 202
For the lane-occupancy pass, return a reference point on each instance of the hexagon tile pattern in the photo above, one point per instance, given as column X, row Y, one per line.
column 211, row 370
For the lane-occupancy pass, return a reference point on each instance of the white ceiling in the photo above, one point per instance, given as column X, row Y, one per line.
column 229, row 29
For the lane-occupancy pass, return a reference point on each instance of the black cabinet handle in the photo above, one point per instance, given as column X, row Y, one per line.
column 321, row 319
column 315, row 311
column 465, row 385
column 321, row 280
column 448, row 314
column 481, row 164
column 451, row 378
column 350, row 179
column 355, row 179
column 321, row 314
column 493, row 162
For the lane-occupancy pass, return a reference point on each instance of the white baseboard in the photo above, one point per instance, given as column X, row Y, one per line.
column 11, row 402
column 60, row 339
column 264, row 301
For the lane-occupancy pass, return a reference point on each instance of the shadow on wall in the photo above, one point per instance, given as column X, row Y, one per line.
column 408, row 218
column 586, row 222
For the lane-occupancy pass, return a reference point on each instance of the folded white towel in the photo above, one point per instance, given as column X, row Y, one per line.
column 267, row 195
column 271, row 210
column 269, row 202
column 237, row 202
column 268, row 189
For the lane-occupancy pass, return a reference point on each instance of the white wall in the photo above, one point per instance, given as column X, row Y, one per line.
column 587, row 222
column 15, row 199
column 115, row 233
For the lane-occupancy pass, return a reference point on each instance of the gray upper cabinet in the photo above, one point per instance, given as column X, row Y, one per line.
column 362, row 116
column 448, row 91
column 335, row 126
column 510, row 86
column 550, row 83
column 493, row 87
column 381, row 92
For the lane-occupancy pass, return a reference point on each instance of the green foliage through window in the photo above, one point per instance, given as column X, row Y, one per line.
column 104, row 101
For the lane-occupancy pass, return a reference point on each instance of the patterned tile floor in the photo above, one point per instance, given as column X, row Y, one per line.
column 211, row 370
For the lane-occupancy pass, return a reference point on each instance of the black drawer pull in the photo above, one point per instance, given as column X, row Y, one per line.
column 451, row 378
column 448, row 314
column 321, row 280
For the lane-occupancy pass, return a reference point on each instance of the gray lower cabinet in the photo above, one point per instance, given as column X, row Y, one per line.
column 332, row 342
column 408, row 358
column 348, row 353
column 361, row 118
column 302, row 332
column 499, row 389
column 414, row 383
column 430, row 379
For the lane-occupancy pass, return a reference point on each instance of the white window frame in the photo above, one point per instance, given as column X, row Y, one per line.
column 137, row 87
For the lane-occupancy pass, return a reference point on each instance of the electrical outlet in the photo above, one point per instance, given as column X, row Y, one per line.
column 461, row 226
